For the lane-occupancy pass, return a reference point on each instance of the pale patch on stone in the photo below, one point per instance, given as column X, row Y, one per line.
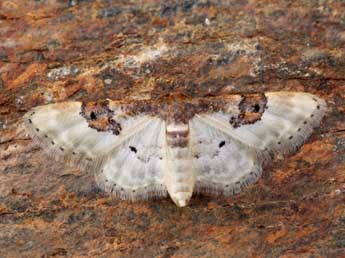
column 146, row 54
column 62, row 72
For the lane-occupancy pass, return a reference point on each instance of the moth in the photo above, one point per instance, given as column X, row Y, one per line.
column 141, row 149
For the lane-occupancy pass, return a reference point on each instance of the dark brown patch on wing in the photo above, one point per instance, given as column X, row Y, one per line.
column 179, row 109
column 100, row 117
column 174, row 109
column 251, row 109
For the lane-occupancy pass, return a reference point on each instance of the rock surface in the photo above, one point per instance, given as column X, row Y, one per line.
column 52, row 51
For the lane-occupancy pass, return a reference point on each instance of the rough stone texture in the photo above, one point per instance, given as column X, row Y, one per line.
column 59, row 50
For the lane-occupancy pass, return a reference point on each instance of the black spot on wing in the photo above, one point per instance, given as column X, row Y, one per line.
column 256, row 108
column 93, row 115
column 221, row 144
column 133, row 149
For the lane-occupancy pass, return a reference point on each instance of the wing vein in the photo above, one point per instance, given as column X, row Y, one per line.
column 228, row 130
column 144, row 122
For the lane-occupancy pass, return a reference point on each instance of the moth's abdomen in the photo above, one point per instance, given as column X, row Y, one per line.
column 180, row 174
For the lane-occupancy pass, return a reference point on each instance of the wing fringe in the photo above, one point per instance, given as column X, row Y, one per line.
column 61, row 153
column 228, row 189
column 151, row 191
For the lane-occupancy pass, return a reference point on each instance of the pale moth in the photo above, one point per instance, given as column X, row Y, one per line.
column 142, row 149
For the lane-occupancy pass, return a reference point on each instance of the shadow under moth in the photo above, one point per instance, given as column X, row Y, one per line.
column 143, row 149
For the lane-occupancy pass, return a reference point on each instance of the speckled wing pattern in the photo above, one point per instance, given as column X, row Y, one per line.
column 122, row 150
column 143, row 149
column 230, row 156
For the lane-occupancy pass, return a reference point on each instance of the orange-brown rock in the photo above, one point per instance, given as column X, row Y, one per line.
column 88, row 50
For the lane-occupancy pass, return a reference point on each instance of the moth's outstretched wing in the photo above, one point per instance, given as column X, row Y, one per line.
column 82, row 133
column 101, row 137
column 231, row 146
